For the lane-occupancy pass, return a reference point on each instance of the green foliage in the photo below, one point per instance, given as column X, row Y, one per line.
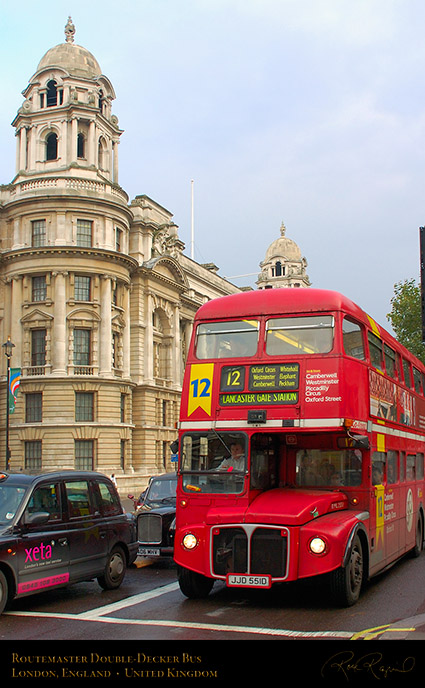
column 406, row 316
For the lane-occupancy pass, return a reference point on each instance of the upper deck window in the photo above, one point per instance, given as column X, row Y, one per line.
column 235, row 339
column 352, row 336
column 300, row 336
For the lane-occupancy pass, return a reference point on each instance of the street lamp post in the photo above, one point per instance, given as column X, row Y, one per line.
column 7, row 346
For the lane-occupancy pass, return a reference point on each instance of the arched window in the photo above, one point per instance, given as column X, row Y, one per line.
column 80, row 146
column 52, row 93
column 102, row 155
column 101, row 101
column 278, row 271
column 51, row 147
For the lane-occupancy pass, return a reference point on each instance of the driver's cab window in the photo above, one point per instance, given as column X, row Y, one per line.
column 46, row 498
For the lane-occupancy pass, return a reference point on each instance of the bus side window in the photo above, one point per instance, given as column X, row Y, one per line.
column 375, row 351
column 410, row 467
column 417, row 380
column 407, row 374
column 419, row 466
column 390, row 361
column 402, row 466
column 392, row 476
column 352, row 338
column 378, row 468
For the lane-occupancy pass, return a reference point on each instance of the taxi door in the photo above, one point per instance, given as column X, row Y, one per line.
column 42, row 543
column 88, row 535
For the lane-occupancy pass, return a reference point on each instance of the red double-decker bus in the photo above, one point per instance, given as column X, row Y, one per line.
column 301, row 445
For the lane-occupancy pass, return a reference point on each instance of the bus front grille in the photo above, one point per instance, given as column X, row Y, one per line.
column 249, row 549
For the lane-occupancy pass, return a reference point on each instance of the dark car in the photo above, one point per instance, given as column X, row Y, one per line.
column 156, row 517
column 62, row 528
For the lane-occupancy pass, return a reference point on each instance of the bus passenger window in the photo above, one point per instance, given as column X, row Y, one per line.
column 402, row 466
column 417, row 380
column 419, row 466
column 410, row 466
column 375, row 350
column 300, row 336
column 227, row 339
column 406, row 372
column 391, row 467
column 352, row 337
column 390, row 361
column 378, row 468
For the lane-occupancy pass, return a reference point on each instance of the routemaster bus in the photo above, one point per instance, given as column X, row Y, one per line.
column 301, row 445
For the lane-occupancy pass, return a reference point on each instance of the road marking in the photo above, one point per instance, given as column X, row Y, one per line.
column 346, row 635
column 372, row 633
column 128, row 601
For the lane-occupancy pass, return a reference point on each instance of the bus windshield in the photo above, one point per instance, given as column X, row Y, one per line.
column 213, row 462
column 329, row 467
column 234, row 339
column 305, row 335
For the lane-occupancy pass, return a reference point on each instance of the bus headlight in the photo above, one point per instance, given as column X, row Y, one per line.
column 190, row 541
column 317, row 545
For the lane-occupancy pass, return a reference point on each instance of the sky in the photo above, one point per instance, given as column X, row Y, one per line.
column 307, row 112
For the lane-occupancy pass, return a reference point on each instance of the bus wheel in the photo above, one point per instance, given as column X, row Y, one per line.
column 346, row 582
column 419, row 539
column 4, row 591
column 193, row 585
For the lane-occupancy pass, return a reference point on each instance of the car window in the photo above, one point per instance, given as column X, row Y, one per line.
column 109, row 502
column 78, row 498
column 46, row 498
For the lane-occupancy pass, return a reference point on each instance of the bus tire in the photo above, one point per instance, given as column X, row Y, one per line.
column 416, row 551
column 346, row 582
column 193, row 585
column 115, row 569
column 4, row 591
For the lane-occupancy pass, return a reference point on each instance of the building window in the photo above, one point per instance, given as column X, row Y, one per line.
column 80, row 146
column 115, row 350
column 122, row 454
column 82, row 289
column 38, row 233
column 122, row 408
column 84, row 407
column 81, row 347
column 52, row 93
column 38, row 347
column 33, row 455
column 84, row 233
column 51, row 147
column 118, row 240
column 84, row 455
column 39, row 292
column 33, row 407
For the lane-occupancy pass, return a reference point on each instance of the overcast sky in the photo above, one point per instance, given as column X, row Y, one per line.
column 310, row 112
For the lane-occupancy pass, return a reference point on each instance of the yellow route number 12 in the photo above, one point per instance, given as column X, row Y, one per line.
column 200, row 387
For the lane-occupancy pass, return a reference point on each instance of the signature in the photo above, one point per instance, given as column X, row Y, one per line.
column 373, row 664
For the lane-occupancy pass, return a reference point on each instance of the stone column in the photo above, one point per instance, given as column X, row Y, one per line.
column 15, row 329
column 74, row 138
column 148, row 343
column 115, row 161
column 105, row 339
column 59, row 326
column 126, row 334
column 23, row 148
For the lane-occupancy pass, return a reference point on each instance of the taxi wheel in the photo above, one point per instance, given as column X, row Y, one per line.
column 4, row 591
column 114, row 570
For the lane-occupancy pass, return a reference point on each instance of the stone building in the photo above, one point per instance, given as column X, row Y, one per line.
column 283, row 265
column 96, row 293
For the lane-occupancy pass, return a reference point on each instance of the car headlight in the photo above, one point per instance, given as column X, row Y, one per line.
column 317, row 545
column 190, row 541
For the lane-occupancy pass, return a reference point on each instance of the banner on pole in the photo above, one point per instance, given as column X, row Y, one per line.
column 14, row 382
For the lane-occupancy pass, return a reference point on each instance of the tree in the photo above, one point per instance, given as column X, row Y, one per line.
column 406, row 316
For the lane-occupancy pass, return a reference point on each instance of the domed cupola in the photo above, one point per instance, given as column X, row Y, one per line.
column 65, row 126
column 283, row 265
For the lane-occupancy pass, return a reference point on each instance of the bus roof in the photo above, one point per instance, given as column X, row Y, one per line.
column 276, row 302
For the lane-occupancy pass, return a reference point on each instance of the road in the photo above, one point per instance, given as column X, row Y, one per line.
column 149, row 608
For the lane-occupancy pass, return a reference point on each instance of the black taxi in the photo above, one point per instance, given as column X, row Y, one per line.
column 62, row 528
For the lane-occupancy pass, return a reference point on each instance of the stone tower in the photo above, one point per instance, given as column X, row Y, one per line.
column 283, row 265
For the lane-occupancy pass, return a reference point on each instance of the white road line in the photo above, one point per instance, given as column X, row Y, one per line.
column 193, row 626
column 128, row 602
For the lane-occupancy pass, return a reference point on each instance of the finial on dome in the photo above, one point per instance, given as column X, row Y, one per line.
column 282, row 229
column 69, row 31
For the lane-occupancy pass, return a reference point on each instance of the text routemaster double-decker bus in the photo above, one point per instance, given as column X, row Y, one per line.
column 301, row 445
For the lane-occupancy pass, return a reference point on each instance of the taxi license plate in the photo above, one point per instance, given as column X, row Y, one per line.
column 235, row 580
column 148, row 552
